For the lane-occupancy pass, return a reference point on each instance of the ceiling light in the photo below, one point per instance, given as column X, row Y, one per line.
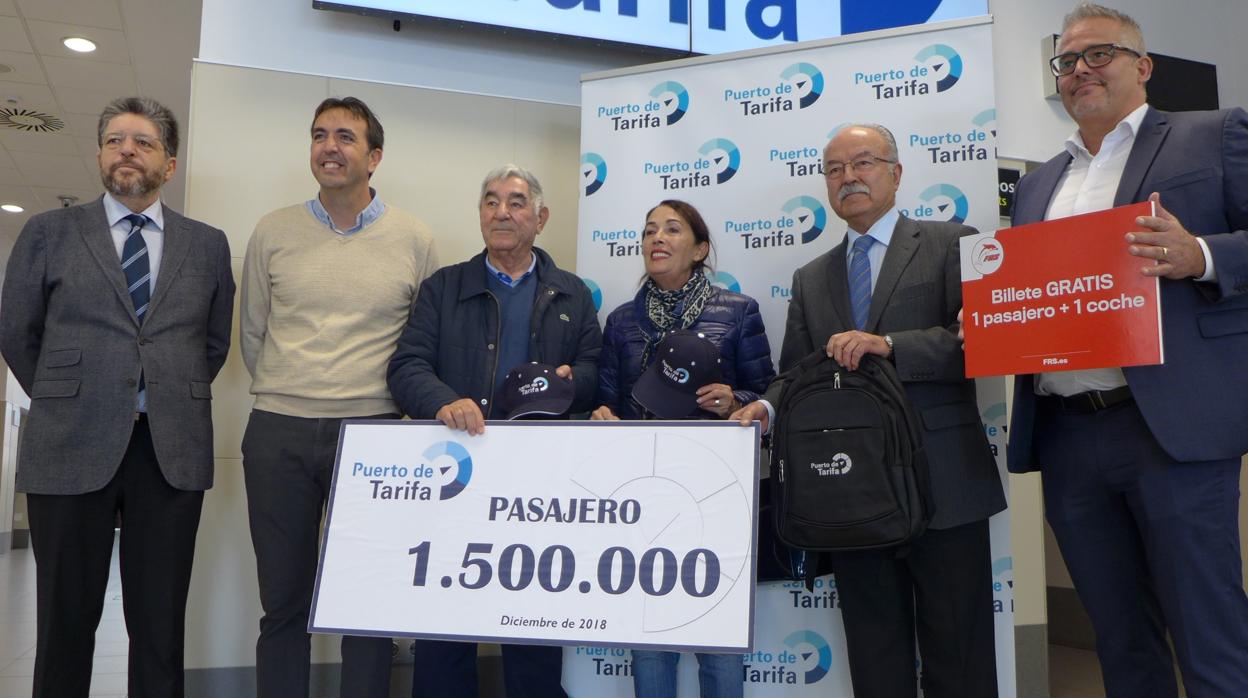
column 79, row 44
column 12, row 208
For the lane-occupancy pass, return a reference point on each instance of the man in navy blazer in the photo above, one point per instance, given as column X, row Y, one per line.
column 116, row 318
column 1141, row 464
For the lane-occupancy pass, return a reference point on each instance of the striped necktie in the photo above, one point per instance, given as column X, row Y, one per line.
column 135, row 264
column 860, row 281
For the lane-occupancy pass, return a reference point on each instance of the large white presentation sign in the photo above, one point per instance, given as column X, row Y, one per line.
column 625, row 533
column 741, row 137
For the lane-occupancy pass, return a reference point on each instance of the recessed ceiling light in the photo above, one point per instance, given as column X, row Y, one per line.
column 12, row 208
column 79, row 44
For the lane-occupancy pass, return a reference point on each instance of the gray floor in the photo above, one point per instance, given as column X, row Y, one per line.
column 1073, row 673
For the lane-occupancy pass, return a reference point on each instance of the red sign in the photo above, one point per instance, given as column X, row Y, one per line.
column 1058, row 296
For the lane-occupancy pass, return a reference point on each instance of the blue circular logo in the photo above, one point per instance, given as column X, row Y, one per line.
column 726, row 281
column 728, row 160
column 942, row 59
column 595, row 293
column 809, row 213
column 809, row 82
column 675, row 99
column 948, row 200
column 593, row 172
column 810, row 645
column 463, row 466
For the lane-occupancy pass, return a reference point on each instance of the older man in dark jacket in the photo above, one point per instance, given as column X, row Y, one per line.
column 472, row 323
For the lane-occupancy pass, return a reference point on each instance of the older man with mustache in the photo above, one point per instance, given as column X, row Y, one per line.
column 893, row 289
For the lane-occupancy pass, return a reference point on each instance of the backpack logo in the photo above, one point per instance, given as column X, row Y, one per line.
column 840, row 464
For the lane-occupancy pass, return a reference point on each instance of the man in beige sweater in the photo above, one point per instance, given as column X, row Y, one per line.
column 327, row 288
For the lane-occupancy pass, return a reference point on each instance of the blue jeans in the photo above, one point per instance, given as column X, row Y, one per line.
column 719, row 675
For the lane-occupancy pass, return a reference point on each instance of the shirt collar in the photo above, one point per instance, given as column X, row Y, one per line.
column 371, row 213
column 881, row 230
column 506, row 278
column 1127, row 128
column 114, row 211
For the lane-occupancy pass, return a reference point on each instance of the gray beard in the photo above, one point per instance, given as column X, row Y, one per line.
column 140, row 186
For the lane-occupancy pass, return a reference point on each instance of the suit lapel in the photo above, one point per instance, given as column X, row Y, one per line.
column 1041, row 185
column 836, row 289
column 900, row 251
column 177, row 244
column 1153, row 130
column 96, row 235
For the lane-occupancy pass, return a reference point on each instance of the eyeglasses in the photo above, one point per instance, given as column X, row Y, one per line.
column 862, row 166
column 114, row 141
column 1093, row 56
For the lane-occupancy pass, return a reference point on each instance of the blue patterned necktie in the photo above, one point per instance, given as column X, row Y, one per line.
column 136, row 265
column 860, row 281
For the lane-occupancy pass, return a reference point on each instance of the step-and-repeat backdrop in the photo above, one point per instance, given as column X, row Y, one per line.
column 740, row 136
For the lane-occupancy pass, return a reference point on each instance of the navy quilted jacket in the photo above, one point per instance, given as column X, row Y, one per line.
column 730, row 320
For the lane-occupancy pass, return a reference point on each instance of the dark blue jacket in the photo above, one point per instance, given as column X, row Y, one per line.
column 730, row 320
column 449, row 348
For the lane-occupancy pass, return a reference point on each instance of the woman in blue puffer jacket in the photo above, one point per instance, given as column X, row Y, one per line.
column 677, row 295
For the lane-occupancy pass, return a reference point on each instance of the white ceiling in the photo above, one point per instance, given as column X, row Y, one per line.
column 144, row 47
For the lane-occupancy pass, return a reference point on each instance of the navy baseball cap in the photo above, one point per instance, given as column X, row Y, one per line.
column 683, row 362
column 533, row 388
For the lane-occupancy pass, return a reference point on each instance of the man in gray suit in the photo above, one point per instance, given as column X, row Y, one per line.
column 116, row 318
column 893, row 289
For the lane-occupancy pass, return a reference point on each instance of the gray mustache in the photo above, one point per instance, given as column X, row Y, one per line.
column 852, row 188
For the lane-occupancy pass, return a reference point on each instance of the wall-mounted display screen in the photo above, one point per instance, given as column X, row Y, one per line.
column 693, row 26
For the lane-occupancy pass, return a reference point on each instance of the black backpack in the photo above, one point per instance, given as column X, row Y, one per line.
column 848, row 469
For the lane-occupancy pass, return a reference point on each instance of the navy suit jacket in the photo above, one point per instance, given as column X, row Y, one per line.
column 1196, row 403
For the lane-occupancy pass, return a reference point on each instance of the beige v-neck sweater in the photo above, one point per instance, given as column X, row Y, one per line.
column 322, row 312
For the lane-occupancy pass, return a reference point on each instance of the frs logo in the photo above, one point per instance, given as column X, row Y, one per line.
column 840, row 464
column 538, row 385
column 987, row 256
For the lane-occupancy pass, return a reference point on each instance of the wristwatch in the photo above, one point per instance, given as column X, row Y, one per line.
column 889, row 341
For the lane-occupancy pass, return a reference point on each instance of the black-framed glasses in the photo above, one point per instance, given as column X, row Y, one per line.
column 1093, row 56
column 862, row 165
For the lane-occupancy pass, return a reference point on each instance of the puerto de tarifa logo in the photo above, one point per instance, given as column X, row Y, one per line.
column 956, row 146
column 667, row 104
column 802, row 218
column 840, row 464
column 718, row 161
column 461, row 464
column 674, row 98
column 987, row 256
column 814, row 652
column 936, row 68
column 445, row 465
column 800, row 86
column 539, row 384
column 940, row 202
column 593, row 172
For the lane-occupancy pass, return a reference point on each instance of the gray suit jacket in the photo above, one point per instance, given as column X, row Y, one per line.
column 70, row 335
column 916, row 302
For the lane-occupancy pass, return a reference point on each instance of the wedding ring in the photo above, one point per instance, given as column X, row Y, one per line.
column 1165, row 253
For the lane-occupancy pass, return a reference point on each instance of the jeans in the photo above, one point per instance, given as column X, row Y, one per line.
column 719, row 675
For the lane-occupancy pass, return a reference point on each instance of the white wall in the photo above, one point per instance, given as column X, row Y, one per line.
column 290, row 35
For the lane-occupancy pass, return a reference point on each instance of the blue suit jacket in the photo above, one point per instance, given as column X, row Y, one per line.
column 1196, row 403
